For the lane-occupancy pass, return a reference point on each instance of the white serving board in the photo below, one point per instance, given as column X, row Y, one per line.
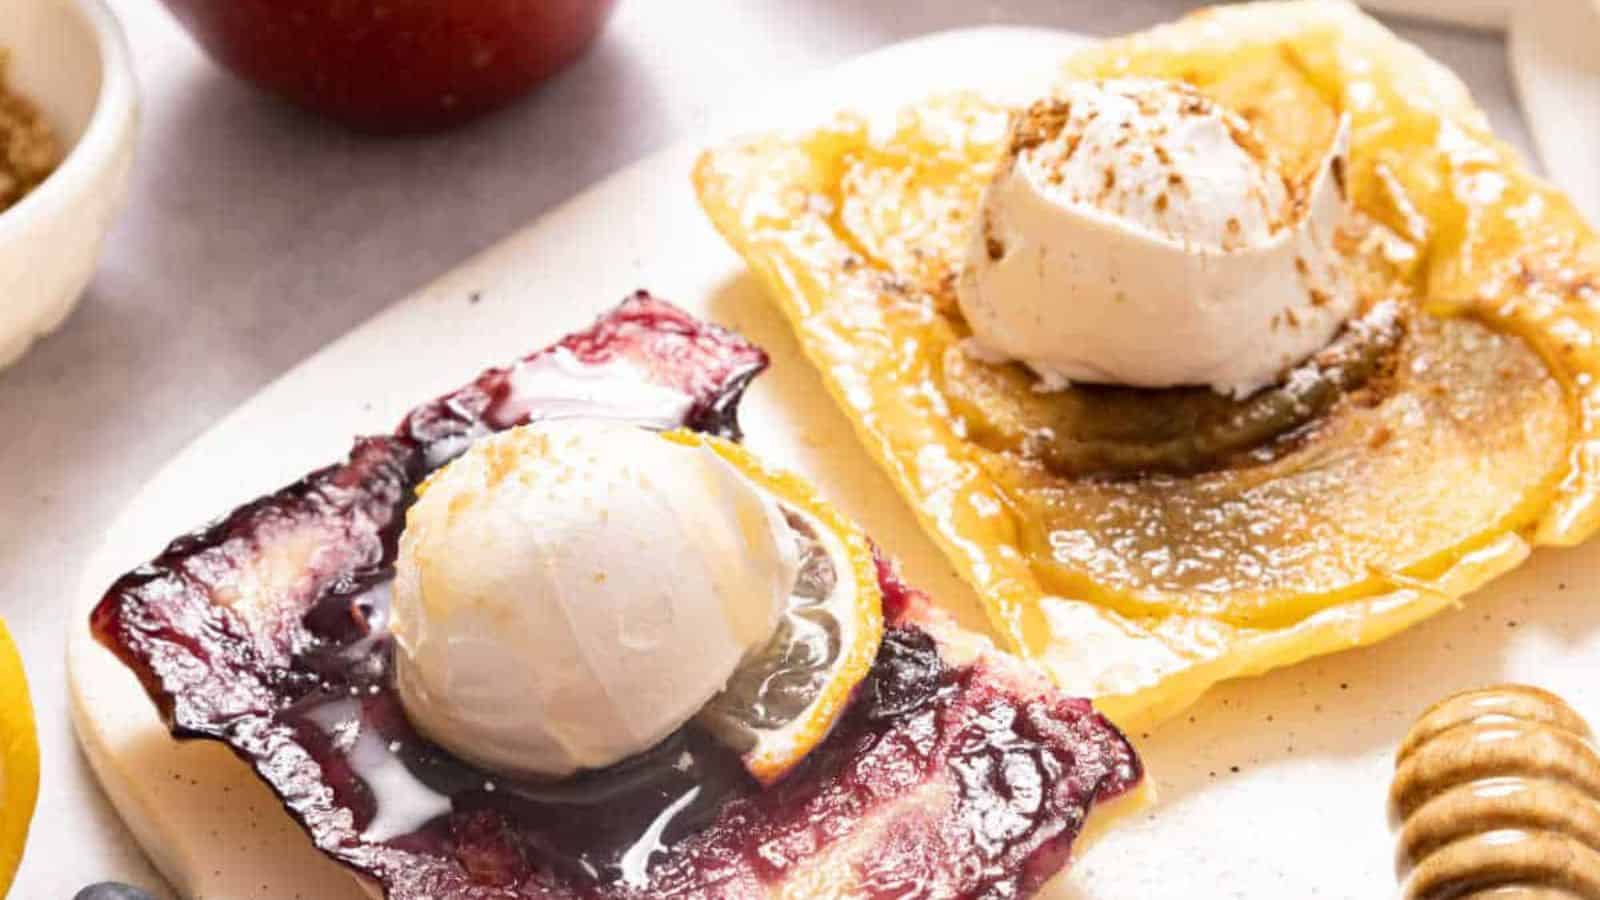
column 1552, row 49
column 1471, row 13
column 1272, row 788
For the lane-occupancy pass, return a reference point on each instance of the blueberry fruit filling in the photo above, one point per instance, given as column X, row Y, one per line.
column 950, row 774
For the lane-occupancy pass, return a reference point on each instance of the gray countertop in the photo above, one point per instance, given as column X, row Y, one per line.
column 255, row 235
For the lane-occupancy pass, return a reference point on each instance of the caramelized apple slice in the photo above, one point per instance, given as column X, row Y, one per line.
column 1128, row 432
column 1378, row 492
column 1477, row 438
column 953, row 771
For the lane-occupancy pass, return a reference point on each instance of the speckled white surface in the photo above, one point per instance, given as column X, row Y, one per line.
column 254, row 236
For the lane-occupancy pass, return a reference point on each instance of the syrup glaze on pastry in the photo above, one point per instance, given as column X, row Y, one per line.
column 1497, row 792
column 955, row 771
column 1207, row 537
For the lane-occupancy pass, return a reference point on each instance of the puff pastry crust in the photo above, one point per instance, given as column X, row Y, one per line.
column 1144, row 592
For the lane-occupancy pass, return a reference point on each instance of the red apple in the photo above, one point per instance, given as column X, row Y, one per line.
column 395, row 65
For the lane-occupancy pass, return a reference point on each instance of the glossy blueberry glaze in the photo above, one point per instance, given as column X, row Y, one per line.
column 943, row 780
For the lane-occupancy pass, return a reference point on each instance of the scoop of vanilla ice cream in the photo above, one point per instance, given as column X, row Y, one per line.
column 1140, row 234
column 567, row 595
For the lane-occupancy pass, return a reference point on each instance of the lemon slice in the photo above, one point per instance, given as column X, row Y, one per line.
column 19, row 760
column 785, row 699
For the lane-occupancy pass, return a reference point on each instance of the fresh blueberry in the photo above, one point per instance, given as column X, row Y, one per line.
column 111, row 890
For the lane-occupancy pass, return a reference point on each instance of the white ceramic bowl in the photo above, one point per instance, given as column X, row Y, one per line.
column 70, row 57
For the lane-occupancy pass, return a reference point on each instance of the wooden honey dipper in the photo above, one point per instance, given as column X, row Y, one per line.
column 1497, row 796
